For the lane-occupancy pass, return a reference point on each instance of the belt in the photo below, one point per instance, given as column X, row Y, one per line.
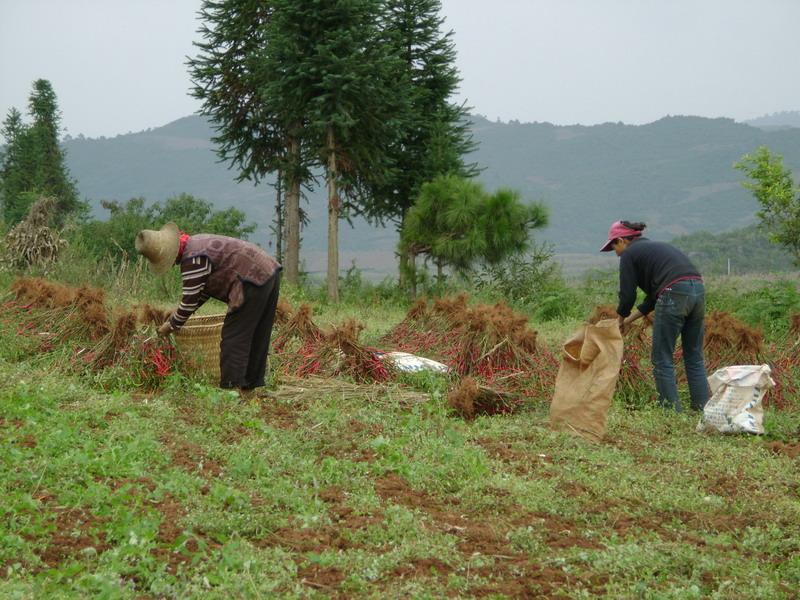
column 684, row 278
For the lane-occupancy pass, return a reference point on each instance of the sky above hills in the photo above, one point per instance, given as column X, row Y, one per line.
column 120, row 66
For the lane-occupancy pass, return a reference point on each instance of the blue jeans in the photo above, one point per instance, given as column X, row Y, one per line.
column 680, row 309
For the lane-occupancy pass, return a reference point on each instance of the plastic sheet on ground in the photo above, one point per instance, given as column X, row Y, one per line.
column 411, row 363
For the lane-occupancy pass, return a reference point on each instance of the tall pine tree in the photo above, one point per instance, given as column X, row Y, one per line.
column 17, row 165
column 234, row 75
column 436, row 133
column 35, row 164
column 334, row 65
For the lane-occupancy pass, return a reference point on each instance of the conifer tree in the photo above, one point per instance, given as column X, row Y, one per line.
column 51, row 177
column 456, row 223
column 257, row 133
column 336, row 66
column 436, row 135
column 34, row 162
column 16, row 167
column 296, row 85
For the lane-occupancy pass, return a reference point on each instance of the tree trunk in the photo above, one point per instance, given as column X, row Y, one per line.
column 333, row 221
column 279, row 212
column 292, row 266
column 439, row 272
column 412, row 259
column 403, row 266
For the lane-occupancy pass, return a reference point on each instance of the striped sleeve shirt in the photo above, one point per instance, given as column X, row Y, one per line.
column 194, row 274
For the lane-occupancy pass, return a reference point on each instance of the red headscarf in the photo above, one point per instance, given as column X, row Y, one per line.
column 184, row 237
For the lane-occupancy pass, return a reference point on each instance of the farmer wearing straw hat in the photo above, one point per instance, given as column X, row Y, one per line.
column 234, row 271
column 674, row 289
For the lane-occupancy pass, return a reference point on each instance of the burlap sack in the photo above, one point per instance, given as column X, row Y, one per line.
column 590, row 365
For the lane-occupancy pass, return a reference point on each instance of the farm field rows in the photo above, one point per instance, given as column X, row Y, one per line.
column 332, row 489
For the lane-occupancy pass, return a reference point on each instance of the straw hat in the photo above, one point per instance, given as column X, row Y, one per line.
column 159, row 247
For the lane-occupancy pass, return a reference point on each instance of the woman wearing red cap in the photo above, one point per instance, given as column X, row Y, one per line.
column 674, row 289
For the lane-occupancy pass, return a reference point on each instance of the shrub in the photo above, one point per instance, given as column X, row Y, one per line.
column 115, row 237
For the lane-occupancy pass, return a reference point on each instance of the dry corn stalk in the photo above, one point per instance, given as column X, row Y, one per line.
column 31, row 243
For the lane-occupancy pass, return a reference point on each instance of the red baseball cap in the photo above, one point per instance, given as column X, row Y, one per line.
column 618, row 230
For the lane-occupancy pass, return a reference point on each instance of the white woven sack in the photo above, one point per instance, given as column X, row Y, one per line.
column 735, row 403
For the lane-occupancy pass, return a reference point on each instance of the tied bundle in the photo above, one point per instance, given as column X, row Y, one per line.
column 469, row 399
column 729, row 341
column 303, row 349
column 32, row 243
column 491, row 344
column 785, row 365
column 57, row 313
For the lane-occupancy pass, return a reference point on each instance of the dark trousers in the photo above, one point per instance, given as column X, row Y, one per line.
column 246, row 335
column 680, row 310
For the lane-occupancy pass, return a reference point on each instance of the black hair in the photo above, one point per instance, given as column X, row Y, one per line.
column 635, row 225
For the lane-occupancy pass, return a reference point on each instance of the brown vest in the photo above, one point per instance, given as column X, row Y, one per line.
column 232, row 262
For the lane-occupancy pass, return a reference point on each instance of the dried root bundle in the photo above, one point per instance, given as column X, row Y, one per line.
column 490, row 342
column 470, row 399
column 730, row 341
column 51, row 315
column 334, row 352
column 298, row 327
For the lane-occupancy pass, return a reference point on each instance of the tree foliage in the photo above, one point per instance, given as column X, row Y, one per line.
column 115, row 236
column 238, row 75
column 434, row 134
column 33, row 163
column 456, row 223
column 744, row 250
column 773, row 187
column 329, row 65
column 297, row 85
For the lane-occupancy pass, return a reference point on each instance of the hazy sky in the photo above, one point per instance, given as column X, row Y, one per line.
column 119, row 65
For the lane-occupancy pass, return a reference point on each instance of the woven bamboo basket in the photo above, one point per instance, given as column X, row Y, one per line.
column 198, row 344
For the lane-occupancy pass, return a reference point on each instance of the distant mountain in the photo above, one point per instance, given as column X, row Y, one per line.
column 676, row 174
column 778, row 120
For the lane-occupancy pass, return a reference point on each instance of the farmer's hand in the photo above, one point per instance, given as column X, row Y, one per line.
column 165, row 329
column 622, row 325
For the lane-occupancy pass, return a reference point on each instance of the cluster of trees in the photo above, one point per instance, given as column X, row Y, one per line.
column 32, row 169
column 740, row 251
column 115, row 236
column 32, row 162
column 359, row 89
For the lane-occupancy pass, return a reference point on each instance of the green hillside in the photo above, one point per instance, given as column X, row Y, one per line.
column 676, row 174
column 738, row 252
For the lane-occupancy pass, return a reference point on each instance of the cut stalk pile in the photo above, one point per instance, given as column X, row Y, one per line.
column 77, row 322
column 303, row 349
column 495, row 361
column 727, row 341
column 491, row 344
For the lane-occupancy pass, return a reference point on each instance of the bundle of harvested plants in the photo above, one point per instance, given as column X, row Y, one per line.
column 490, row 342
column 31, row 242
column 335, row 352
column 469, row 399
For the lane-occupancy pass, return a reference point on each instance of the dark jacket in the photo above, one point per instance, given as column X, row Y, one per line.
column 232, row 262
column 651, row 266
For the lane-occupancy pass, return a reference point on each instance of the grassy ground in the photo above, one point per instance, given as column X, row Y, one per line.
column 334, row 490
column 328, row 489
